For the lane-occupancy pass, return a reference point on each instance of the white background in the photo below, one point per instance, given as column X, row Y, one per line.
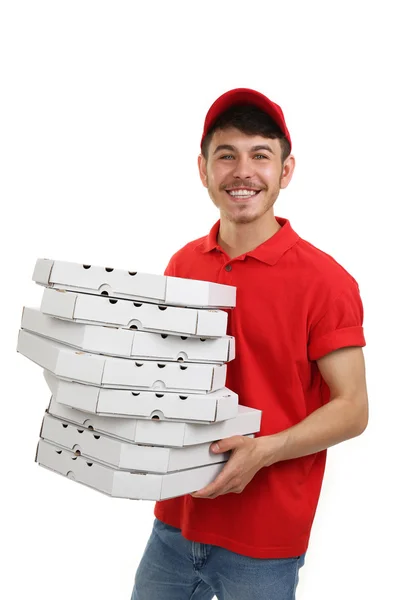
column 102, row 107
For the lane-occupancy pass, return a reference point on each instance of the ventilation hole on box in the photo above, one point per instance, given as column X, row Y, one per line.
column 183, row 397
column 59, row 451
column 135, row 324
column 135, row 393
column 132, row 273
column 137, row 304
column 105, row 290
column 182, row 368
column 86, row 266
column 89, row 464
column 202, row 339
column 162, row 308
column 156, row 415
column 112, row 301
column 96, row 437
column 90, row 427
column 139, row 364
column 180, row 358
column 109, row 269
column 77, row 452
column 80, row 430
column 160, row 365
column 160, row 395
column 164, row 336
column 183, row 337
column 158, row 385
column 71, row 475
column 64, row 425
column 133, row 327
column 74, row 457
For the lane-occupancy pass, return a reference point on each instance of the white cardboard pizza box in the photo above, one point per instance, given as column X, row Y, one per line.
column 118, row 283
column 128, row 343
column 125, row 455
column 87, row 308
column 204, row 408
column 124, row 484
column 124, row 373
column 162, row 433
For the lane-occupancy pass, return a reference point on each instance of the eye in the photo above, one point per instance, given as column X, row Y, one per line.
column 227, row 156
column 258, row 156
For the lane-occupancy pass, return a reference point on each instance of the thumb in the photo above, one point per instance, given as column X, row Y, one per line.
column 216, row 447
column 226, row 444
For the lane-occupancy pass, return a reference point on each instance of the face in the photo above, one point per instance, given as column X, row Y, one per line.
column 244, row 174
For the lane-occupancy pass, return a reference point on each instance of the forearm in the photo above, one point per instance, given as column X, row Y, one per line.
column 336, row 421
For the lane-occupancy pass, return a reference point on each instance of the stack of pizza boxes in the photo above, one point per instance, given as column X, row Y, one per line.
column 136, row 366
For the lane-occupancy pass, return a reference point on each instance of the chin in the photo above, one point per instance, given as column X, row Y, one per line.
column 242, row 219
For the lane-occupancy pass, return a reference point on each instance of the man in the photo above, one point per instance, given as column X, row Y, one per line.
column 299, row 337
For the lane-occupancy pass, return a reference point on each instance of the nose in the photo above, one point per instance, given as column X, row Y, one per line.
column 243, row 167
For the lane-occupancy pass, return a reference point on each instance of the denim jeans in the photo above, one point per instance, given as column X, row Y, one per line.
column 174, row 568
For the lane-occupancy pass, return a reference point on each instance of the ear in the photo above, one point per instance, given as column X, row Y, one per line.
column 202, row 164
column 287, row 171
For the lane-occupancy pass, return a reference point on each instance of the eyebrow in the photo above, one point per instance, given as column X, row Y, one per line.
column 253, row 149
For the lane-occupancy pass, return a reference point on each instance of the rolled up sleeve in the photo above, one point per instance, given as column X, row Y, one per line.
column 340, row 326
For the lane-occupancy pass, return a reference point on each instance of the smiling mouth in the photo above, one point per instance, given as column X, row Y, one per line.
column 242, row 194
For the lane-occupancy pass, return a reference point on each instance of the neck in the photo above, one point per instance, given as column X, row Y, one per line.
column 236, row 239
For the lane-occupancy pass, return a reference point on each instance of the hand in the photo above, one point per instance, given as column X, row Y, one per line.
column 245, row 461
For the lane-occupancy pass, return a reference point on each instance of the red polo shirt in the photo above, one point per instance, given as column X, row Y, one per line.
column 295, row 304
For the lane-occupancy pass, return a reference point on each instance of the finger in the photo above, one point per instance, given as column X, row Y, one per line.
column 220, row 493
column 222, row 481
column 226, row 444
column 216, row 487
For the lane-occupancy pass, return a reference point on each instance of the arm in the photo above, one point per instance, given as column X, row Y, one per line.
column 344, row 417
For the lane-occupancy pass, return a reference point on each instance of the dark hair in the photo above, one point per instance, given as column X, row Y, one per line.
column 250, row 120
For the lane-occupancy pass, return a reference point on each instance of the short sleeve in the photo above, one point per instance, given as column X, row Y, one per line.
column 340, row 326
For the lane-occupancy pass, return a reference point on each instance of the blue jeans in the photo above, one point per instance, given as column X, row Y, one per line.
column 174, row 568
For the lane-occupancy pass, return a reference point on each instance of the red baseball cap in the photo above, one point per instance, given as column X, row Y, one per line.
column 245, row 96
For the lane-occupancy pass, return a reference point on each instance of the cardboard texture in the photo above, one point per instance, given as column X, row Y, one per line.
column 125, row 455
column 117, row 283
column 124, row 484
column 111, row 372
column 162, row 433
column 127, row 343
column 87, row 308
column 203, row 408
column 136, row 364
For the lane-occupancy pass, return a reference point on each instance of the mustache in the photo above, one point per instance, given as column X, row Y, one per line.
column 242, row 184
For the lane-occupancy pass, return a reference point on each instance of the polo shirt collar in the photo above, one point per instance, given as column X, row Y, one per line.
column 268, row 252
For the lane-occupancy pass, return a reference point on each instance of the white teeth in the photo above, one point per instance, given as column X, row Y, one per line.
column 241, row 193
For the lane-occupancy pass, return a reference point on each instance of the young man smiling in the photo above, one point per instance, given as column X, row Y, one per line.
column 299, row 337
